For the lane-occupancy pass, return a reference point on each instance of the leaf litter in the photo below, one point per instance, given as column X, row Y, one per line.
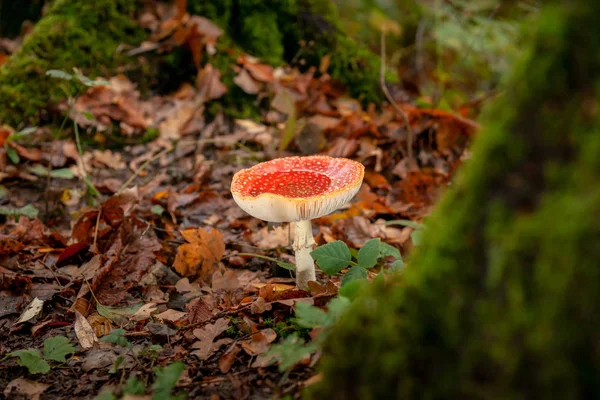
column 164, row 253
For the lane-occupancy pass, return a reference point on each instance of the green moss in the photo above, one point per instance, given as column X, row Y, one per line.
column 273, row 30
column 502, row 299
column 287, row 327
column 74, row 33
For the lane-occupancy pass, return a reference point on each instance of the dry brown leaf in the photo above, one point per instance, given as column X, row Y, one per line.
column 186, row 288
column 110, row 159
column 280, row 236
column 209, row 83
column 260, row 305
column 144, row 312
column 247, row 83
column 276, row 287
column 84, row 331
column 227, row 359
column 30, row 389
column 198, row 311
column 171, row 315
column 206, row 336
column 199, row 257
column 259, row 342
column 260, row 72
column 101, row 325
column 225, row 281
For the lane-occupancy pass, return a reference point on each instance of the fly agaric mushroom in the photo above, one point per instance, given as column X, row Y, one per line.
column 296, row 190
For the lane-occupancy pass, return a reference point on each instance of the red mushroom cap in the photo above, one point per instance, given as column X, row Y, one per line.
column 296, row 188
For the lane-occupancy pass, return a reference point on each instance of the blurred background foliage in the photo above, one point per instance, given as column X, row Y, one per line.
column 450, row 54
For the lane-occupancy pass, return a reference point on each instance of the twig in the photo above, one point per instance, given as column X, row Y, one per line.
column 96, row 229
column 387, row 94
column 140, row 169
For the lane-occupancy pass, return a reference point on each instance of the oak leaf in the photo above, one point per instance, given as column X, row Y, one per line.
column 200, row 256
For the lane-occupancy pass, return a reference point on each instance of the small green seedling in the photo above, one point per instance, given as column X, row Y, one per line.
column 55, row 349
column 12, row 154
column 117, row 336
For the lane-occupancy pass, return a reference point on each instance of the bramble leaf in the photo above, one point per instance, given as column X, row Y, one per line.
column 332, row 257
column 32, row 360
column 57, row 347
column 369, row 253
column 355, row 273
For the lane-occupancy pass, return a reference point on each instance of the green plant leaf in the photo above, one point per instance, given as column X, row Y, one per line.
column 118, row 314
column 117, row 336
column 92, row 82
column 166, row 379
column 332, row 257
column 369, row 253
column 290, row 352
column 355, row 273
column 309, row 316
column 157, row 209
column 406, row 222
column 134, row 386
column 386, row 250
column 12, row 155
column 57, row 347
column 287, row 266
column 28, row 211
column 21, row 134
column 352, row 290
column 61, row 173
column 32, row 360
column 114, row 368
column 59, row 74
column 417, row 237
column 398, row 265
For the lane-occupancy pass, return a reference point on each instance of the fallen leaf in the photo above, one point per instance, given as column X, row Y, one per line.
column 280, row 236
column 228, row 358
column 198, row 311
column 171, row 315
column 276, row 287
column 200, row 256
column 144, row 312
column 32, row 310
column 206, row 336
column 225, row 281
column 260, row 72
column 209, row 83
column 84, row 331
column 246, row 82
column 259, row 342
column 32, row 390
column 110, row 159
column 260, row 305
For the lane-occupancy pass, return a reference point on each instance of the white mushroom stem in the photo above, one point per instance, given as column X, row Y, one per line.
column 303, row 245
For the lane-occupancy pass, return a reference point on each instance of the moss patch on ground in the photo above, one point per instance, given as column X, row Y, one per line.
column 501, row 301
column 74, row 33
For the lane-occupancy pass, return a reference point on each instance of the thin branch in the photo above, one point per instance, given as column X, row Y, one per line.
column 387, row 94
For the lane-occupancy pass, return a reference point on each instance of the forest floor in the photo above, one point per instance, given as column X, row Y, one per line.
column 160, row 251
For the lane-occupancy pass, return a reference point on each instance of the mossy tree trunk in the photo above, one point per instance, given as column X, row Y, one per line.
column 503, row 299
